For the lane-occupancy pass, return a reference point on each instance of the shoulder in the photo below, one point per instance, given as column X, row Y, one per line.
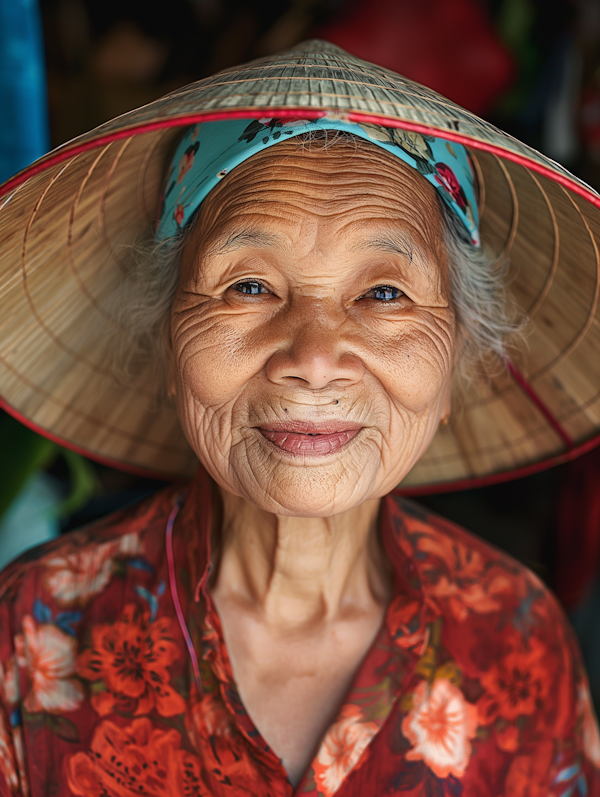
column 490, row 607
column 73, row 568
column 464, row 574
column 499, row 640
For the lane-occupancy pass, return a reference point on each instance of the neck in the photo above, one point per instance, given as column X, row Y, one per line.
column 299, row 571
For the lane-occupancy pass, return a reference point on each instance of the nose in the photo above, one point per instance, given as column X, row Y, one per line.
column 314, row 353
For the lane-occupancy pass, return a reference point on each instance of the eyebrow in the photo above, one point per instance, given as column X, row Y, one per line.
column 239, row 239
column 232, row 241
column 386, row 242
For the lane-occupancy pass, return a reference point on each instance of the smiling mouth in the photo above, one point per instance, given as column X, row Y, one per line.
column 307, row 440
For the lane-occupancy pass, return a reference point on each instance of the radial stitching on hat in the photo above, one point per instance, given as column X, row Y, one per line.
column 514, row 223
column 52, row 335
column 489, row 139
column 491, row 450
column 457, row 117
column 7, row 198
column 89, row 418
column 540, row 299
column 149, row 214
column 70, row 257
column 480, row 183
column 102, row 203
column 506, row 248
column 582, row 407
column 138, row 388
column 592, row 309
column 555, row 254
column 391, row 84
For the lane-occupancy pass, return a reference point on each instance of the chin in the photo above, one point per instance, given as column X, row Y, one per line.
column 310, row 491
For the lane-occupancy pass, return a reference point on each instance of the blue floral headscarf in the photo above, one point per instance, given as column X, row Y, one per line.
column 210, row 150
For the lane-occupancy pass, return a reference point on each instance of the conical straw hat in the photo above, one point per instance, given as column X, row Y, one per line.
column 61, row 218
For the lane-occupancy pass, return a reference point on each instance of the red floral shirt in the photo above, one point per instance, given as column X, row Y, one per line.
column 473, row 687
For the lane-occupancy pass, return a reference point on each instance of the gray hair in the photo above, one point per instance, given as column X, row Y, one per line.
column 488, row 321
column 486, row 315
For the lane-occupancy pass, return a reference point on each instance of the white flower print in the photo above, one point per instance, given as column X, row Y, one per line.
column 439, row 728
column 48, row 655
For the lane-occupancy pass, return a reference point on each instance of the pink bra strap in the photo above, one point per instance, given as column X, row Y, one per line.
column 173, row 587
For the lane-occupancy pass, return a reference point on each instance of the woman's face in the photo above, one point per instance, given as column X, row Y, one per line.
column 312, row 330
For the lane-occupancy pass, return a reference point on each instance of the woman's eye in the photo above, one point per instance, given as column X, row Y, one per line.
column 383, row 293
column 250, row 287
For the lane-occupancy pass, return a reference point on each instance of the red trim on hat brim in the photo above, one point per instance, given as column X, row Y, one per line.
column 425, row 489
column 135, row 470
column 162, row 124
column 502, row 476
column 70, row 151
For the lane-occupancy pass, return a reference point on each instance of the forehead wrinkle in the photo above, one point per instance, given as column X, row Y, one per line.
column 392, row 240
column 386, row 242
column 234, row 239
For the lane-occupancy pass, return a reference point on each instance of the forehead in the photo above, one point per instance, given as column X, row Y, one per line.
column 346, row 189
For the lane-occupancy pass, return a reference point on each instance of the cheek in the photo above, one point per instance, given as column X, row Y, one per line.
column 416, row 368
column 213, row 361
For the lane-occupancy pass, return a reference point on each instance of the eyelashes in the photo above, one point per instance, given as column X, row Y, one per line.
column 250, row 287
column 383, row 293
column 379, row 293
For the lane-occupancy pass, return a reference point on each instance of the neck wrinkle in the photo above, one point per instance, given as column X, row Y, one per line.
column 300, row 571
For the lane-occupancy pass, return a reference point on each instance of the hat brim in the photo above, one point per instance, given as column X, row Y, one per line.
column 65, row 222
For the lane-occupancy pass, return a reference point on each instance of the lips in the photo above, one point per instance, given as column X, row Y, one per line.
column 310, row 439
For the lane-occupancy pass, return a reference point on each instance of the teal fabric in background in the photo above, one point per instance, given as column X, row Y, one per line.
column 29, row 518
column 23, row 107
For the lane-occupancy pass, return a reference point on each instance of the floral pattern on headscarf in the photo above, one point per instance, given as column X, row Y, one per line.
column 210, row 150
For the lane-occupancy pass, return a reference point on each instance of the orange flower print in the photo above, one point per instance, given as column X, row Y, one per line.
column 341, row 750
column 9, row 692
column 518, row 778
column 516, row 685
column 589, row 729
column 404, row 624
column 48, row 655
column 9, row 681
column 131, row 657
column 227, row 764
column 187, row 160
column 179, row 214
column 19, row 745
column 137, row 759
column 461, row 577
column 208, row 717
column 439, row 727
column 75, row 577
column 7, row 759
column 527, row 775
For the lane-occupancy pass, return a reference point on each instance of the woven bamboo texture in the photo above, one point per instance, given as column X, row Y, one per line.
column 65, row 223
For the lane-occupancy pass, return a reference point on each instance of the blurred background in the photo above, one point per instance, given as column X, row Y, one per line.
column 530, row 66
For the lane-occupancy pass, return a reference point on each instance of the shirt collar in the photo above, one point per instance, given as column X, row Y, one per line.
column 388, row 667
column 406, row 616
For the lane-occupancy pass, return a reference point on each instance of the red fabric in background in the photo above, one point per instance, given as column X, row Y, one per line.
column 578, row 534
column 448, row 45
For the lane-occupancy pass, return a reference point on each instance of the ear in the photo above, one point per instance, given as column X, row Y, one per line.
column 171, row 385
column 446, row 404
column 447, row 400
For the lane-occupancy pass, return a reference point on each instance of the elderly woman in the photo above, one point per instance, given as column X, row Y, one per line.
column 288, row 624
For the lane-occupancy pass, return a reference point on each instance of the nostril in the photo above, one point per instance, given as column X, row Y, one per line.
column 296, row 378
